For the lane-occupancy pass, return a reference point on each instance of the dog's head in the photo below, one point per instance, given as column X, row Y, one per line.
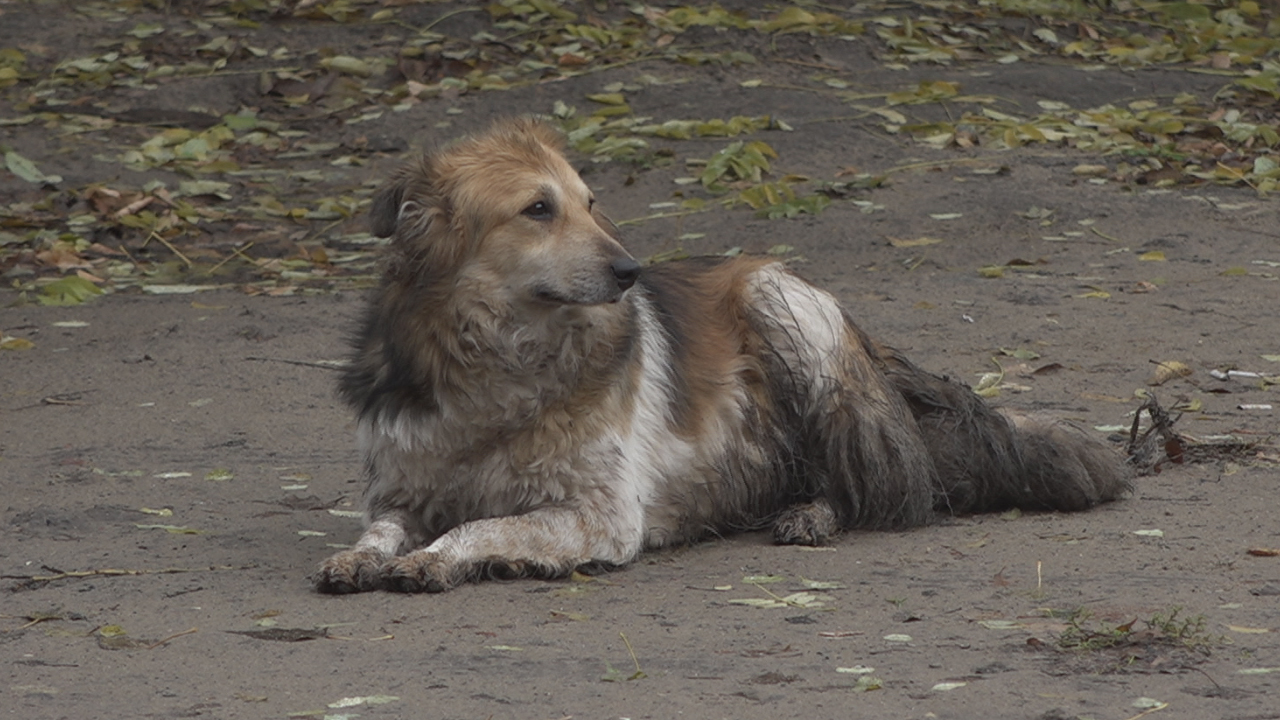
column 504, row 213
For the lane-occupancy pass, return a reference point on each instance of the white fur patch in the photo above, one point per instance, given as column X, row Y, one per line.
column 811, row 333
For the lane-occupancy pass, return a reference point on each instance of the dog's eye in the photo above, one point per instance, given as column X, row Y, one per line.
column 540, row 210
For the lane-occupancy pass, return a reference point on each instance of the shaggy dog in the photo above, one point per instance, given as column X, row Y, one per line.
column 530, row 401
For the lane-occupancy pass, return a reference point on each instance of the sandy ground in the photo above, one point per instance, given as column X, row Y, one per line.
column 219, row 411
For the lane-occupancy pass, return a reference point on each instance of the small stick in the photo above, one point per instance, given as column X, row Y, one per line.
column 234, row 252
column 1105, row 236
column 172, row 249
column 323, row 364
column 802, row 63
column 632, row 651
column 115, row 572
column 158, row 643
column 135, row 206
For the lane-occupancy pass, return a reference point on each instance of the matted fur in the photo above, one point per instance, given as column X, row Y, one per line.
column 527, row 406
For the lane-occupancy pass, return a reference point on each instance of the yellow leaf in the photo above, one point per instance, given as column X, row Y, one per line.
column 349, row 65
column 15, row 343
column 1153, row 256
column 915, row 242
column 1090, row 170
column 608, row 98
column 1098, row 294
column 1167, row 371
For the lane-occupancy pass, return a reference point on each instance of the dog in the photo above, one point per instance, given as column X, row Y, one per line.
column 531, row 401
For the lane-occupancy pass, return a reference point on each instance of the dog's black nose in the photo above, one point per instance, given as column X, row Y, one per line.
column 625, row 271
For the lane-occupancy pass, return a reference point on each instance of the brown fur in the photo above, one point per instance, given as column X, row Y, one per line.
column 527, row 406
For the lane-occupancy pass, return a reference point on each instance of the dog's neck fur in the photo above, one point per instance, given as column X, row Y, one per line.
column 497, row 365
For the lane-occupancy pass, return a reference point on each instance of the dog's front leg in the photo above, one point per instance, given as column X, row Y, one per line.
column 359, row 569
column 548, row 542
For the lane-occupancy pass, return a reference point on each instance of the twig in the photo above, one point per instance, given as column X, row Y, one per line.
column 234, row 252
column 802, row 63
column 659, row 216
column 135, row 206
column 172, row 249
column 446, row 16
column 1242, row 228
column 1105, row 236
column 116, row 572
column 1202, row 672
column 165, row 641
column 323, row 364
column 937, row 163
column 627, row 642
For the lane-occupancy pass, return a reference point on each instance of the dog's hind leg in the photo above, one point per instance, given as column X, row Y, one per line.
column 807, row 524
column 360, row 568
column 863, row 455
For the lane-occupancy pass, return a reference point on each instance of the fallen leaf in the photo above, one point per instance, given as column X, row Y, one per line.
column 1001, row 624
column 70, row 290
column 944, row 686
column 27, row 170
column 915, row 242
column 867, row 683
column 1168, row 370
column 1090, row 170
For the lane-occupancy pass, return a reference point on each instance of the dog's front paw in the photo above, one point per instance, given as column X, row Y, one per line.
column 416, row 572
column 349, row 571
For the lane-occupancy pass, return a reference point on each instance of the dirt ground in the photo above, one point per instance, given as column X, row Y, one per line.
column 175, row 466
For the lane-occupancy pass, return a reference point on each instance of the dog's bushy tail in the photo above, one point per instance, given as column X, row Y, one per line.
column 988, row 459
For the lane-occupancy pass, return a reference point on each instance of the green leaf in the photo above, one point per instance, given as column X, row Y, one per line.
column 27, row 170
column 70, row 290
column 608, row 98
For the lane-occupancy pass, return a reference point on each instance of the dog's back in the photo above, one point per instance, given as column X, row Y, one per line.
column 851, row 433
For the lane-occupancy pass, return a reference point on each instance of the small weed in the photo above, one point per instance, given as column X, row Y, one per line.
column 1164, row 628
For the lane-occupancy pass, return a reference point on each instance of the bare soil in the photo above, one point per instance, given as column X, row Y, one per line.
column 220, row 408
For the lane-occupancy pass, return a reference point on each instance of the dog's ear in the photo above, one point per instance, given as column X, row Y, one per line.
column 410, row 191
column 384, row 215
